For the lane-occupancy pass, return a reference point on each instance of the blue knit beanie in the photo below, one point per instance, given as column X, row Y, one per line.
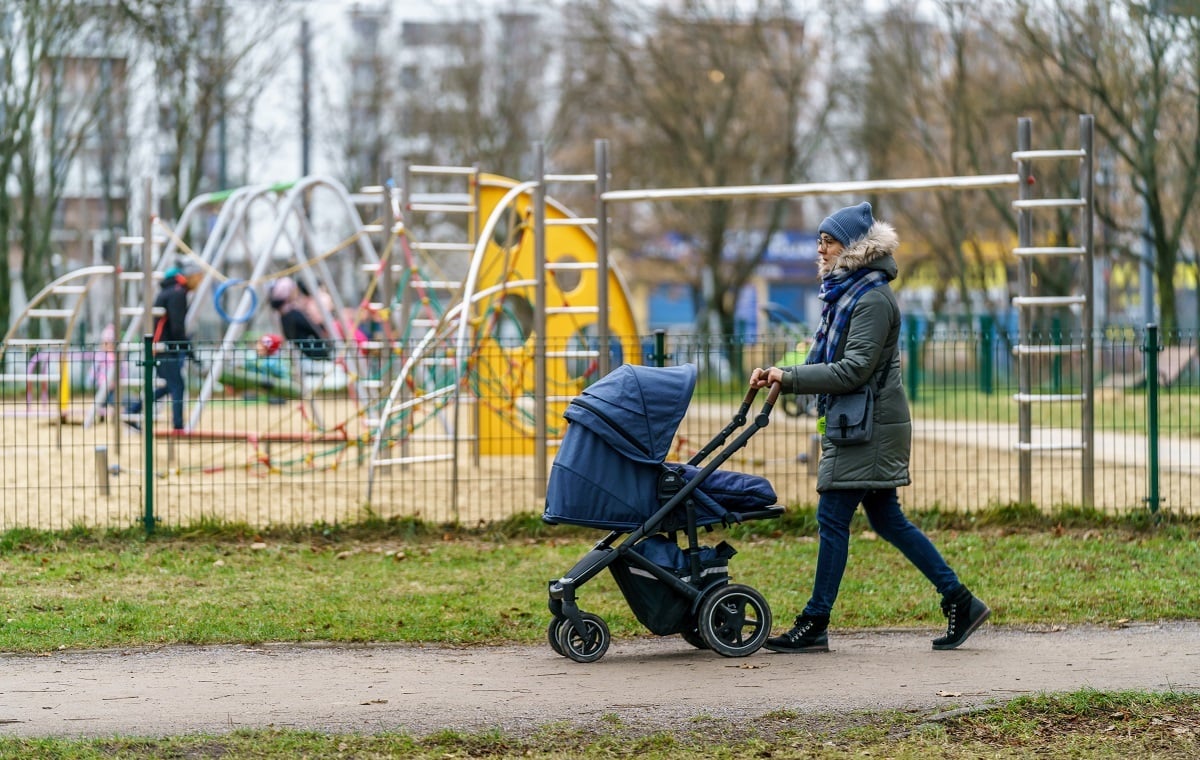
column 848, row 225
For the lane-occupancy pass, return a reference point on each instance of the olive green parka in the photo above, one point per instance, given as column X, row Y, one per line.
column 870, row 346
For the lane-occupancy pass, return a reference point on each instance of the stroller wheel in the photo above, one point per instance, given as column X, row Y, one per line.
column 693, row 637
column 735, row 620
column 588, row 645
column 552, row 634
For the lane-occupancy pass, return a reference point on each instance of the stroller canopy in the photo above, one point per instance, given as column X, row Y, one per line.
column 636, row 410
column 606, row 472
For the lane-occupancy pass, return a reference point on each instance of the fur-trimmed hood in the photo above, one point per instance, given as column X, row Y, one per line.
column 875, row 250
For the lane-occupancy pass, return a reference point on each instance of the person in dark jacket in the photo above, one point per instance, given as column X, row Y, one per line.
column 172, row 344
column 856, row 344
column 312, row 339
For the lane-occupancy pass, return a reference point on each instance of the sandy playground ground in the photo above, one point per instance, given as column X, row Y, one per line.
column 266, row 464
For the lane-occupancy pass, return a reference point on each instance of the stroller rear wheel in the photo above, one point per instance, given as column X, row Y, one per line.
column 588, row 645
column 693, row 637
column 735, row 620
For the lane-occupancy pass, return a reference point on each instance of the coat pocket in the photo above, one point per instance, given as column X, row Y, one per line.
column 850, row 417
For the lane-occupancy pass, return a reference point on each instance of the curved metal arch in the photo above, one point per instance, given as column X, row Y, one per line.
column 290, row 208
column 468, row 298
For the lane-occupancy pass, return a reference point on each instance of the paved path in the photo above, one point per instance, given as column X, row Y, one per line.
column 649, row 683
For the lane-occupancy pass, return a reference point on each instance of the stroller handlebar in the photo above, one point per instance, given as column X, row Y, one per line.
column 772, row 396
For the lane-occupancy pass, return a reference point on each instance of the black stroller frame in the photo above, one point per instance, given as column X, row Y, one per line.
column 733, row 620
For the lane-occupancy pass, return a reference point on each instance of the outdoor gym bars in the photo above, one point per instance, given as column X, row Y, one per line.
column 814, row 188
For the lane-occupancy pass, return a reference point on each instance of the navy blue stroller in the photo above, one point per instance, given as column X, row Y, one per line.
column 611, row 473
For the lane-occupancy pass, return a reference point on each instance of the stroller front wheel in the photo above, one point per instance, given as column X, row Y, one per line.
column 552, row 635
column 735, row 620
column 588, row 645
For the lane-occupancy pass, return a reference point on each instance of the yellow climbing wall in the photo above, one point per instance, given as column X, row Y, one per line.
column 504, row 367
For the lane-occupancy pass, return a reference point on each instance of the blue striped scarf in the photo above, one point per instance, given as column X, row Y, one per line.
column 840, row 294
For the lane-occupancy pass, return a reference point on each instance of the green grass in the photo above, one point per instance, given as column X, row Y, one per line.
column 407, row 583
column 393, row 581
column 1123, row 412
column 1083, row 724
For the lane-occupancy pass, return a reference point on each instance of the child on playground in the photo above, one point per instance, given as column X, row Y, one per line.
column 267, row 367
column 105, row 376
column 298, row 328
column 170, row 332
column 267, row 361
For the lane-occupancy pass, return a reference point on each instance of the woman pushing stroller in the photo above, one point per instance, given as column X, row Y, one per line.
column 856, row 345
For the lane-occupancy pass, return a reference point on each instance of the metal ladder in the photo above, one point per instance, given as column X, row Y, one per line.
column 544, row 311
column 404, row 211
column 59, row 307
column 1026, row 301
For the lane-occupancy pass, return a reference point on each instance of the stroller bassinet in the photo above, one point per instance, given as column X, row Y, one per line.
column 611, row 473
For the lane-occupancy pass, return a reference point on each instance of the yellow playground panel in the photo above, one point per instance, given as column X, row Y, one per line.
column 504, row 363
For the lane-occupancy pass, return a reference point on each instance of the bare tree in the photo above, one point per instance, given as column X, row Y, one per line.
column 40, row 130
column 939, row 98
column 363, row 138
column 1136, row 66
column 200, row 50
column 698, row 93
column 483, row 105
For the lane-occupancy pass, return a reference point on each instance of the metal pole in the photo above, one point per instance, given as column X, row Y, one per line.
column 111, row 248
column 114, row 381
column 861, row 187
column 102, row 469
column 914, row 359
column 1088, row 411
column 305, row 90
column 602, row 331
column 539, row 317
column 987, row 348
column 1147, row 264
column 474, row 228
column 395, row 312
column 388, row 253
column 148, row 258
column 1151, row 349
column 148, row 362
column 1024, row 278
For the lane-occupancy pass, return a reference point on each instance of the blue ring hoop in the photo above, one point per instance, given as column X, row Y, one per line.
column 219, row 293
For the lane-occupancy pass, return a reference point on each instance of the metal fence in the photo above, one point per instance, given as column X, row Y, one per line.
column 298, row 449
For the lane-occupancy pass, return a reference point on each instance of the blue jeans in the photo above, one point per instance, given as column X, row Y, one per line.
column 834, row 510
column 170, row 369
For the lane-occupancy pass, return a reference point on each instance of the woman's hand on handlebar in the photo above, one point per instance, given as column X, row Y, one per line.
column 761, row 378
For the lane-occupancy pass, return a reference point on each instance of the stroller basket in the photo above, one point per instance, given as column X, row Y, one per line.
column 656, row 605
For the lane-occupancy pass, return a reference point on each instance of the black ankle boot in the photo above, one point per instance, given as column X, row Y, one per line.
column 964, row 613
column 809, row 634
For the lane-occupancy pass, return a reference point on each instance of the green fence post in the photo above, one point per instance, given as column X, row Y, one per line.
column 1056, row 360
column 148, row 363
column 1151, row 349
column 659, row 357
column 914, row 362
column 986, row 353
